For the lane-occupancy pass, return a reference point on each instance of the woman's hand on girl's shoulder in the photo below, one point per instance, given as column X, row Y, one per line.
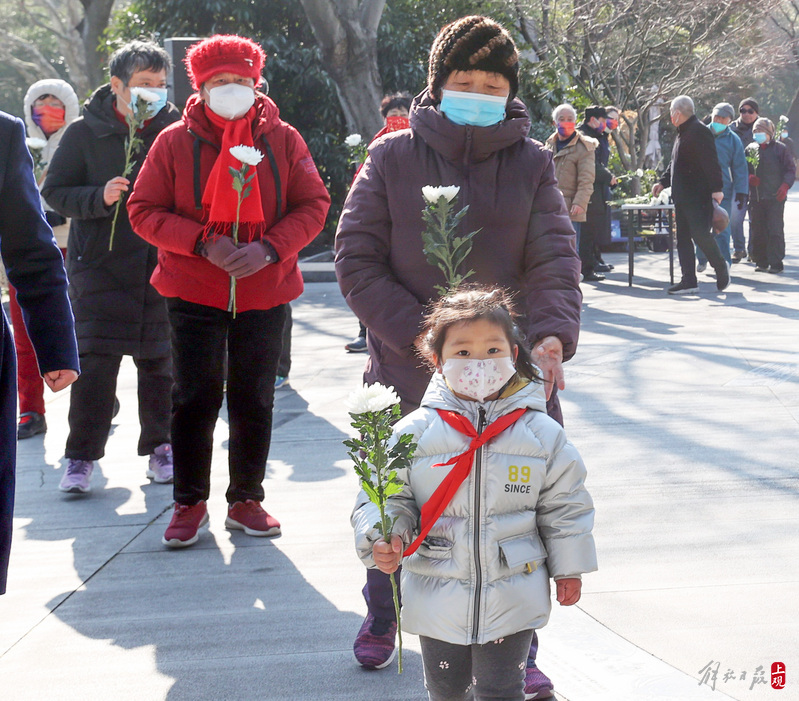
column 569, row 591
column 387, row 556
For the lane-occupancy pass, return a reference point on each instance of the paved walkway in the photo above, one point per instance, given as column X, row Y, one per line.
column 685, row 410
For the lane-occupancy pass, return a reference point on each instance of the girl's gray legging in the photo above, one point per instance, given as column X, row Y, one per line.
column 464, row 672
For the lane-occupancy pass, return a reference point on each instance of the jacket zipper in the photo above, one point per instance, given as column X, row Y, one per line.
column 478, row 579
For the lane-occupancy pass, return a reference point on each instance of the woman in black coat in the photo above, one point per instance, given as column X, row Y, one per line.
column 36, row 271
column 117, row 311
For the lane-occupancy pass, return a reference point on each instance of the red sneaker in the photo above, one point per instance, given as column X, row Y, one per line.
column 250, row 517
column 186, row 521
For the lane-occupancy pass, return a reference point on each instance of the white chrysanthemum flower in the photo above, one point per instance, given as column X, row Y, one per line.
column 144, row 94
column 35, row 144
column 639, row 173
column 373, row 398
column 783, row 118
column 353, row 140
column 247, row 154
column 434, row 194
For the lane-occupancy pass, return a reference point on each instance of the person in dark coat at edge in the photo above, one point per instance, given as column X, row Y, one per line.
column 468, row 130
column 695, row 178
column 597, row 218
column 36, row 270
column 117, row 311
column 769, row 185
column 749, row 111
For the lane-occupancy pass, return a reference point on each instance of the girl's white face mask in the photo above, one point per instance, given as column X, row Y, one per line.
column 231, row 101
column 478, row 379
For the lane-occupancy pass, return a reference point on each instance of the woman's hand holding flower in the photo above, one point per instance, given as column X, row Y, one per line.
column 218, row 250
column 114, row 188
column 387, row 556
column 247, row 259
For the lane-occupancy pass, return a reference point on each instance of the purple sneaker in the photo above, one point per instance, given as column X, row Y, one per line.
column 160, row 467
column 76, row 478
column 537, row 685
column 374, row 646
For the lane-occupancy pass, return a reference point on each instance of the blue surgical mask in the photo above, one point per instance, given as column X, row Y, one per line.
column 760, row 137
column 717, row 127
column 153, row 108
column 474, row 109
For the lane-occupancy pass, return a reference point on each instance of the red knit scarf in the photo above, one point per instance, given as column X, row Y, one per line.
column 445, row 492
column 219, row 197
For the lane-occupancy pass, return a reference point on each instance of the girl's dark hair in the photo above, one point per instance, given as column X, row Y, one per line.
column 472, row 303
column 397, row 99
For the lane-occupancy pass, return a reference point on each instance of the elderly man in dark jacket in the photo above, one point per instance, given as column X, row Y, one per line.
column 36, row 271
column 597, row 218
column 695, row 179
column 117, row 311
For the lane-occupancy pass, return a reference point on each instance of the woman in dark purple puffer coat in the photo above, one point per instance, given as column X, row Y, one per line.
column 526, row 242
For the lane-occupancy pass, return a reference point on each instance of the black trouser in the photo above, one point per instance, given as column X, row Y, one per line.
column 694, row 220
column 199, row 337
column 492, row 671
column 767, row 233
column 284, row 364
column 91, row 404
column 592, row 230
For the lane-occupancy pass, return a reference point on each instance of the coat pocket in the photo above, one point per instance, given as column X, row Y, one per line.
column 436, row 548
column 522, row 551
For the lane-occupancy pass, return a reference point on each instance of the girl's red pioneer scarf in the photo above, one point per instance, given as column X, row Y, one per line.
column 443, row 495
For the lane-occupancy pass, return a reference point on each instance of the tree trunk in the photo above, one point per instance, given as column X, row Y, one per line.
column 346, row 31
column 91, row 28
column 793, row 116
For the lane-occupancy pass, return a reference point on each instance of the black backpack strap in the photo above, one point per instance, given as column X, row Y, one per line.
column 198, row 193
column 276, row 175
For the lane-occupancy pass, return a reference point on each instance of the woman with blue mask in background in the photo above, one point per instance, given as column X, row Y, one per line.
column 467, row 129
column 117, row 311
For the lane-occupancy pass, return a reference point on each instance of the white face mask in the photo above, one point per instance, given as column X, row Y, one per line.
column 478, row 379
column 231, row 101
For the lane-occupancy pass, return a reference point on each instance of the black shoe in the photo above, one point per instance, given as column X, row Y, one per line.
column 723, row 278
column 593, row 277
column 761, row 268
column 116, row 407
column 738, row 256
column 603, row 268
column 683, row 288
column 775, row 271
column 30, row 424
column 356, row 346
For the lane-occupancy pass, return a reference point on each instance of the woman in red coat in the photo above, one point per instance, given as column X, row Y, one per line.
column 184, row 203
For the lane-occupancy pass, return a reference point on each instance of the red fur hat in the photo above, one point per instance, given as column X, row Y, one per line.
column 224, row 53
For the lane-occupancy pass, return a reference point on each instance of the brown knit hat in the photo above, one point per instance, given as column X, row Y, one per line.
column 472, row 44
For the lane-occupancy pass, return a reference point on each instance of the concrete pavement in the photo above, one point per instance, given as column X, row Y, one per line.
column 685, row 410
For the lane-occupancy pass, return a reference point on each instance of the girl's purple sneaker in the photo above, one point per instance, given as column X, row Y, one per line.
column 375, row 643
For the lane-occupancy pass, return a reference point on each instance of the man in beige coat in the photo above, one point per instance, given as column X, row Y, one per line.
column 574, row 163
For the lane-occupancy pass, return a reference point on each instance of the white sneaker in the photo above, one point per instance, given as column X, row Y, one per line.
column 160, row 468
